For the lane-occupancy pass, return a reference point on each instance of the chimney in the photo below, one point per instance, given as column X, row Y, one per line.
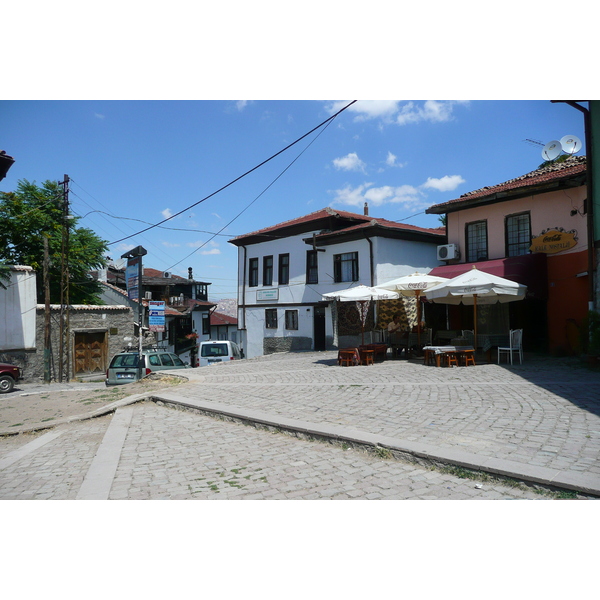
column 366, row 210
column 190, row 273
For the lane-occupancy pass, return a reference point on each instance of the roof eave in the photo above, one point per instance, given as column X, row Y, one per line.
column 505, row 195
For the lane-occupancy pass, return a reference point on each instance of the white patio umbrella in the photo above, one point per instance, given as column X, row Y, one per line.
column 476, row 287
column 413, row 286
column 363, row 295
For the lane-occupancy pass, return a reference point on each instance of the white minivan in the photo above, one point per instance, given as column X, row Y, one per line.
column 215, row 351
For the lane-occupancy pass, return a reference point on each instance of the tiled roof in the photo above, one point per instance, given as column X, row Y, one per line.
column 355, row 222
column 221, row 319
column 571, row 167
column 390, row 225
column 314, row 216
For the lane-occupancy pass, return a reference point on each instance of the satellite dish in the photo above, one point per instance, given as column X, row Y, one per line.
column 571, row 144
column 551, row 150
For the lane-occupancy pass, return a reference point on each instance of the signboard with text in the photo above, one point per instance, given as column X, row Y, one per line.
column 156, row 315
column 132, row 277
column 554, row 240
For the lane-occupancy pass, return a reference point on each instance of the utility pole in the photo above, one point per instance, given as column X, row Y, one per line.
column 64, row 362
column 47, row 338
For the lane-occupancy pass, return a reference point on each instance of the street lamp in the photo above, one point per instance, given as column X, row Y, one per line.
column 6, row 162
column 133, row 256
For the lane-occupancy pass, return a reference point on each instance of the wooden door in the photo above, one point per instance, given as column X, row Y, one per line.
column 90, row 352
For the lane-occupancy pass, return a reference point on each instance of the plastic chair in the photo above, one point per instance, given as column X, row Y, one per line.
column 515, row 345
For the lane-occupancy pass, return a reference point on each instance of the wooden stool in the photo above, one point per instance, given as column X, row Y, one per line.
column 452, row 359
column 346, row 358
column 429, row 357
column 367, row 357
column 469, row 356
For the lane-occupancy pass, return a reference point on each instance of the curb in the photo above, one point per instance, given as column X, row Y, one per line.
column 415, row 452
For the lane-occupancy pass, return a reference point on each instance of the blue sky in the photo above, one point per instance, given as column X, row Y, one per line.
column 148, row 160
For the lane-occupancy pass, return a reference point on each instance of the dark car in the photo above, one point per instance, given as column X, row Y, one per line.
column 9, row 375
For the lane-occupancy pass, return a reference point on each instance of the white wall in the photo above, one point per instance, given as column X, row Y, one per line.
column 397, row 258
column 18, row 309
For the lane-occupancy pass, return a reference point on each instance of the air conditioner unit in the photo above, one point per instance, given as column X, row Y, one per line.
column 448, row 252
column 166, row 274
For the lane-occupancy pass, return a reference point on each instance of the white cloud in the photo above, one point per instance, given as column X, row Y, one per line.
column 406, row 195
column 241, row 104
column 99, row 116
column 166, row 213
column 396, row 111
column 170, row 245
column 350, row 162
column 444, row 184
column 212, row 251
column 391, row 159
column 368, row 109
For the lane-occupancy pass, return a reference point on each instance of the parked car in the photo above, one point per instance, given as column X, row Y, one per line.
column 215, row 351
column 9, row 375
column 124, row 366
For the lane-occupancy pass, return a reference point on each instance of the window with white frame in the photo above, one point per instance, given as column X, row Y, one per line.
column 283, row 277
column 345, row 267
column 291, row 319
column 267, row 270
column 271, row 318
column 253, row 272
column 312, row 268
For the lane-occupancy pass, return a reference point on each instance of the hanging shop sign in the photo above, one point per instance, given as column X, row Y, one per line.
column 554, row 240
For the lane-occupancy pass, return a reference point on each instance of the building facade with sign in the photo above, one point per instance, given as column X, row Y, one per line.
column 284, row 270
column 534, row 230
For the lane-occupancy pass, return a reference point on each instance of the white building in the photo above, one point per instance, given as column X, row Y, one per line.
column 18, row 300
column 283, row 271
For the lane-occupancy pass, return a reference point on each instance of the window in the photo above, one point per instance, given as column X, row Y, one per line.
column 291, row 319
column 283, row 277
column 345, row 267
column 267, row 270
column 476, row 235
column 205, row 324
column 166, row 359
column 518, row 234
column 271, row 318
column 253, row 272
column 312, row 270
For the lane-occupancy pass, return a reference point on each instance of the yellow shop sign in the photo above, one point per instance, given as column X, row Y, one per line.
column 554, row 240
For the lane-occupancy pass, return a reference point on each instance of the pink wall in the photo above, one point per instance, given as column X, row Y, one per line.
column 547, row 211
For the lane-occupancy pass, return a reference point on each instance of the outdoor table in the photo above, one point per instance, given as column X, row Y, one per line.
column 380, row 350
column 438, row 351
column 487, row 341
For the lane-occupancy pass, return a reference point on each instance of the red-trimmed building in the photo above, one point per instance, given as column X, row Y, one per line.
column 533, row 230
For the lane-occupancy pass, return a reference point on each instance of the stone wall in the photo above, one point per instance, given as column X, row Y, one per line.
column 291, row 344
column 115, row 321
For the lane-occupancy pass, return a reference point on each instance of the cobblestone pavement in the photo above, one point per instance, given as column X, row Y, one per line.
column 175, row 454
column 543, row 412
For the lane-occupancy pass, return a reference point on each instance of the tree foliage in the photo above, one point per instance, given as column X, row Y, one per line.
column 33, row 212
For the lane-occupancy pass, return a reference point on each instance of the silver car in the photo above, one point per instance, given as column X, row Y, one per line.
column 125, row 368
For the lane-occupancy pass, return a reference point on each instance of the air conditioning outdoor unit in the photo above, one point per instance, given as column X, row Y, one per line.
column 448, row 252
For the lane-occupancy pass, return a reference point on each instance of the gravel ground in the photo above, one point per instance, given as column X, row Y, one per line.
column 28, row 406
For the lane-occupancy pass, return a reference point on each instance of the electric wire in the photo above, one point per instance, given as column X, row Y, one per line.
column 257, row 197
column 264, row 162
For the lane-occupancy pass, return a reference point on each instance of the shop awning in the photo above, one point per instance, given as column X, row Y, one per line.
column 528, row 269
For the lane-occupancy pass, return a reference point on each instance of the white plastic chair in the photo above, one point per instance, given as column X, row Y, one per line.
column 515, row 345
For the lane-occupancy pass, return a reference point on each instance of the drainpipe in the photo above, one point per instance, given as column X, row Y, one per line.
column 243, row 296
column 590, row 198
